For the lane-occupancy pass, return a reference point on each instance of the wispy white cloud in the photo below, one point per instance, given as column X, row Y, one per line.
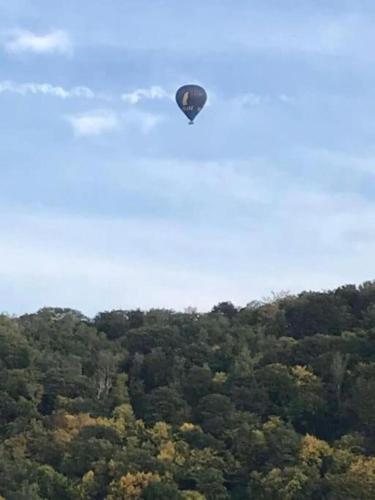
column 252, row 99
column 94, row 122
column 57, row 41
column 46, row 89
column 104, row 120
column 137, row 95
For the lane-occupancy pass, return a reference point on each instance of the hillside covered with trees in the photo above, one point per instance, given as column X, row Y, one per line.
column 275, row 400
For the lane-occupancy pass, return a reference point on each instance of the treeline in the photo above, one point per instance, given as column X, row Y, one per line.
column 275, row 400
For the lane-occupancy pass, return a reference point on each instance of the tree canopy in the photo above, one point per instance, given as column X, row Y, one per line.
column 275, row 400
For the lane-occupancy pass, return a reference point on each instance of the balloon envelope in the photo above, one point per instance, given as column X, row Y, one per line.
column 191, row 100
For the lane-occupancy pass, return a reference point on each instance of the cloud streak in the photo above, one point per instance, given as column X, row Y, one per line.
column 32, row 88
column 54, row 42
column 85, row 92
column 140, row 94
column 251, row 99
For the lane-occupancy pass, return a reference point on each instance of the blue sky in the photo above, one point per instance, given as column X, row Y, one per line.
column 108, row 199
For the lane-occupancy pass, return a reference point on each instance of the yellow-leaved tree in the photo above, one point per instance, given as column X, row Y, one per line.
column 131, row 485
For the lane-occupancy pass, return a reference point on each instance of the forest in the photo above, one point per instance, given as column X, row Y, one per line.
column 274, row 400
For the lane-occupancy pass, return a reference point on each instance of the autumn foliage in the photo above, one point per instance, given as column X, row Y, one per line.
column 275, row 400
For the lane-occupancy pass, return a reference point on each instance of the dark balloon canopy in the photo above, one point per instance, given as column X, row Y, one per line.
column 191, row 100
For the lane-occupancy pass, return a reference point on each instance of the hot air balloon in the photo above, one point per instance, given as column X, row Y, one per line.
column 191, row 100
